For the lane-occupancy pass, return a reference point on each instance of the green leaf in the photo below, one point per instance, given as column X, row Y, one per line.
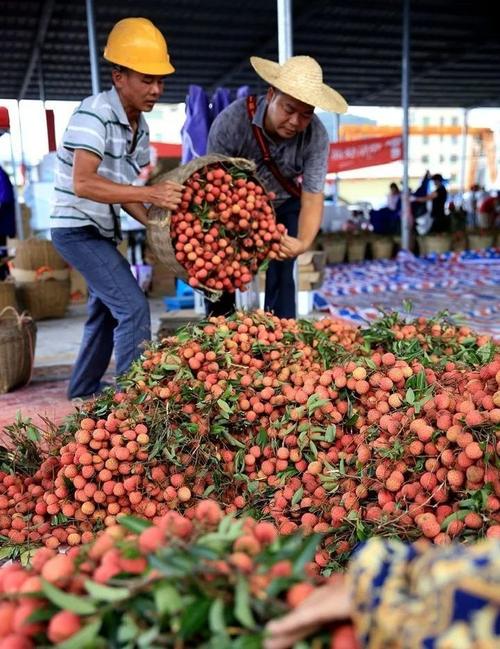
column 297, row 496
column 410, row 396
column 216, row 618
column 306, row 554
column 262, row 437
column 456, row 516
column 6, row 553
column 134, row 524
column 32, row 434
column 486, row 353
column 67, row 601
column 224, row 406
column 194, row 617
column 242, row 610
column 233, row 440
column 208, row 490
column 106, row 593
column 84, row 639
column 147, row 637
column 167, row 599
column 330, row 433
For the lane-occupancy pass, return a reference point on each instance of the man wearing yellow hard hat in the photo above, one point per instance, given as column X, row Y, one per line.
column 289, row 145
column 104, row 148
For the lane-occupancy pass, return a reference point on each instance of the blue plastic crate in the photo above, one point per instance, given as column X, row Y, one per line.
column 182, row 289
column 176, row 303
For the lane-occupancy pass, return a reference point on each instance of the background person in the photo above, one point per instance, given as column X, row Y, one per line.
column 489, row 210
column 7, row 208
column 280, row 132
column 104, row 148
column 387, row 220
column 418, row 596
column 440, row 220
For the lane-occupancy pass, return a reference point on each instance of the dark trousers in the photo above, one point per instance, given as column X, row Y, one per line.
column 118, row 311
column 280, row 284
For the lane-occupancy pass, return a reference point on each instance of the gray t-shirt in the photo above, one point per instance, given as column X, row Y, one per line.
column 304, row 155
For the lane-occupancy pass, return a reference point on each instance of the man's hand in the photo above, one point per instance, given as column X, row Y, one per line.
column 328, row 604
column 291, row 247
column 167, row 194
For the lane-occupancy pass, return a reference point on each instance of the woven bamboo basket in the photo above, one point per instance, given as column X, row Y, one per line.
column 382, row 247
column 44, row 299
column 335, row 247
column 459, row 244
column 32, row 254
column 434, row 243
column 7, row 294
column 356, row 249
column 159, row 219
column 481, row 241
column 17, row 349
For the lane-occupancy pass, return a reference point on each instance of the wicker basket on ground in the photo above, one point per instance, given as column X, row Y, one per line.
column 356, row 249
column 382, row 247
column 434, row 243
column 17, row 349
column 44, row 299
column 459, row 243
column 335, row 246
column 7, row 294
column 479, row 241
column 32, row 254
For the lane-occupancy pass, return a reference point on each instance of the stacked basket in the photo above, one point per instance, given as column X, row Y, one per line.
column 42, row 279
column 7, row 294
column 17, row 348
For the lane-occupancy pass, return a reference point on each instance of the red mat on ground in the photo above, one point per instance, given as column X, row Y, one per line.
column 40, row 398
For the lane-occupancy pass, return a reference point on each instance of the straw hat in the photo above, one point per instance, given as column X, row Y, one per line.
column 300, row 77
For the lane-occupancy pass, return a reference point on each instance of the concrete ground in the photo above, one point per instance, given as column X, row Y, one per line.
column 58, row 340
column 57, row 345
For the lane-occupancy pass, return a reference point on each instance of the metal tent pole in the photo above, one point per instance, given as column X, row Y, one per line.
column 405, row 101
column 94, row 58
column 463, row 165
column 285, row 51
column 285, row 38
column 336, row 139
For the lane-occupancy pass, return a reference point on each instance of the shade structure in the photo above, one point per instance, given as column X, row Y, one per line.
column 454, row 46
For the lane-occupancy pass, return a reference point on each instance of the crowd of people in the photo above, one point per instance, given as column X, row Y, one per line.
column 433, row 213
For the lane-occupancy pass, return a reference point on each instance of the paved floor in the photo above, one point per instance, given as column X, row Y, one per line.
column 57, row 346
column 58, row 340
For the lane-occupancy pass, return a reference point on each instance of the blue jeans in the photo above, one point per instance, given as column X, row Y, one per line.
column 118, row 311
column 280, row 283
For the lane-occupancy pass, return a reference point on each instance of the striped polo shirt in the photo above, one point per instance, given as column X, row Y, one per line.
column 99, row 125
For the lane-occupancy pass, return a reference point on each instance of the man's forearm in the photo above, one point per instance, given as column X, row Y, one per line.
column 100, row 189
column 310, row 217
column 137, row 211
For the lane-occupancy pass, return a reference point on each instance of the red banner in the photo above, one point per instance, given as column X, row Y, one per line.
column 4, row 120
column 364, row 153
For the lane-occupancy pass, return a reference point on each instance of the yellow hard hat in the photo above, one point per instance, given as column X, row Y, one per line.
column 135, row 43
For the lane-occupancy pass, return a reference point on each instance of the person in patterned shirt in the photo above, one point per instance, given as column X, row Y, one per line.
column 400, row 596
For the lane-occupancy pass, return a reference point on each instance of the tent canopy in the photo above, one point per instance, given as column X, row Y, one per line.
column 455, row 46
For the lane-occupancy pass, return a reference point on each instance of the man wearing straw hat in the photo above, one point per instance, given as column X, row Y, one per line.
column 104, row 148
column 290, row 146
